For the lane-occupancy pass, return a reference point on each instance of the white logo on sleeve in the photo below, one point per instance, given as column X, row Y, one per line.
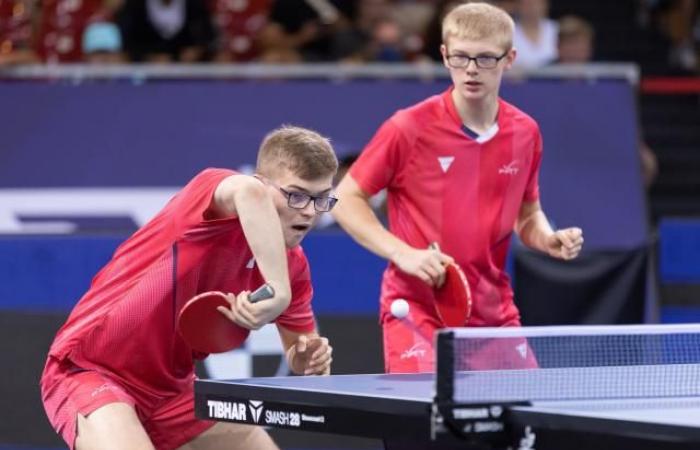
column 445, row 162
column 251, row 263
column 256, row 407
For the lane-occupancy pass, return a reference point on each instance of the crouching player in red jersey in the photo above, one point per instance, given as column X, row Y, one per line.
column 118, row 374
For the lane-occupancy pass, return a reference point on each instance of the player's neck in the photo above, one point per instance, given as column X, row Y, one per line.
column 477, row 115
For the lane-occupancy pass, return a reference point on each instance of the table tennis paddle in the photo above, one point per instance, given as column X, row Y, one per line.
column 453, row 300
column 205, row 329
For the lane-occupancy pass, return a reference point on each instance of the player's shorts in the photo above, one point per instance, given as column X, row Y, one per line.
column 409, row 345
column 512, row 353
column 408, row 342
column 68, row 390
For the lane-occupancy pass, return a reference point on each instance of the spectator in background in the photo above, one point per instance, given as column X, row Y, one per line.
column 306, row 30
column 433, row 32
column 238, row 24
column 576, row 46
column 167, row 30
column 102, row 44
column 17, row 19
column 376, row 34
column 535, row 37
column 575, row 42
column 386, row 43
column 679, row 22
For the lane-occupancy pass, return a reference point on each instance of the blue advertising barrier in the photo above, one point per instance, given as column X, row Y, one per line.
column 679, row 250
column 118, row 134
column 48, row 274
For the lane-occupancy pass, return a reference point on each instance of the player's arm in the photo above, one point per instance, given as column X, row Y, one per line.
column 354, row 213
column 248, row 198
column 534, row 230
column 307, row 353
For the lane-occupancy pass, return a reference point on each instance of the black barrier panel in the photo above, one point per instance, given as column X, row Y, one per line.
column 597, row 288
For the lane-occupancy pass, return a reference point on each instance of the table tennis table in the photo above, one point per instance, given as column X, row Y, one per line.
column 406, row 413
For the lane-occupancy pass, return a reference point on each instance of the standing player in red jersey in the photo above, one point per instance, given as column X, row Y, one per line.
column 461, row 170
column 118, row 374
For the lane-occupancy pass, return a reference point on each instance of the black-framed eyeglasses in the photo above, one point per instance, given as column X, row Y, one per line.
column 300, row 200
column 460, row 61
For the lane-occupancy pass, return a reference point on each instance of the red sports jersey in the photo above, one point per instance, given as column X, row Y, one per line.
column 445, row 186
column 125, row 325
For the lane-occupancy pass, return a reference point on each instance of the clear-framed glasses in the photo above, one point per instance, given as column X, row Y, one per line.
column 460, row 61
column 300, row 200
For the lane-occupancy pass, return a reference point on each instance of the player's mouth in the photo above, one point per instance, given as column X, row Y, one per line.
column 472, row 86
column 301, row 228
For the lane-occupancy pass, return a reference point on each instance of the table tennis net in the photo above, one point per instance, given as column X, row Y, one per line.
column 568, row 363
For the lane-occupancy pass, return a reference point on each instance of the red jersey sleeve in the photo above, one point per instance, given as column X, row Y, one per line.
column 299, row 316
column 532, row 189
column 192, row 202
column 382, row 159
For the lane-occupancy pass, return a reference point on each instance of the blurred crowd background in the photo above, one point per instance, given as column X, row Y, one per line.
column 662, row 36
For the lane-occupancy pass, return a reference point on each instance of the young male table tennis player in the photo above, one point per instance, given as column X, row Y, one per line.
column 461, row 170
column 119, row 376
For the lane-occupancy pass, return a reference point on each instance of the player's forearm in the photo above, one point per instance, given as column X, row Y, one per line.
column 263, row 231
column 534, row 229
column 357, row 218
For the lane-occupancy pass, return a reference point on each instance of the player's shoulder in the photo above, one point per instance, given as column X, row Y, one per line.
column 214, row 172
column 421, row 114
column 297, row 254
column 297, row 261
column 209, row 178
column 517, row 116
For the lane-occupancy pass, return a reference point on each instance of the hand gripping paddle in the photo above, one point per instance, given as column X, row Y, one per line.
column 453, row 300
column 206, row 330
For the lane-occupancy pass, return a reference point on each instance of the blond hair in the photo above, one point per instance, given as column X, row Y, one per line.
column 476, row 21
column 303, row 152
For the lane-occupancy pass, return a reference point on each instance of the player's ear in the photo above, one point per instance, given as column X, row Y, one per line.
column 510, row 58
column 443, row 52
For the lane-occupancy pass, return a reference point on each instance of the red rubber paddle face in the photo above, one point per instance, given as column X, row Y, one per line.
column 207, row 330
column 453, row 299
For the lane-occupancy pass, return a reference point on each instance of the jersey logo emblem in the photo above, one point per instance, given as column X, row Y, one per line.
column 251, row 263
column 522, row 350
column 445, row 162
column 509, row 169
column 417, row 351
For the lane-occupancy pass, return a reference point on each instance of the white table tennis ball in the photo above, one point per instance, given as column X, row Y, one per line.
column 399, row 308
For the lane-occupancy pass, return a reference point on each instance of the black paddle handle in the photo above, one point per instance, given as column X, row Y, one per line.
column 262, row 293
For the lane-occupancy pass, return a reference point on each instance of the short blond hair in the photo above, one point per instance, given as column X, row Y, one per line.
column 478, row 20
column 303, row 152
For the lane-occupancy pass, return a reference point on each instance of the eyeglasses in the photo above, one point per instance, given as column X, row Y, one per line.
column 300, row 200
column 459, row 61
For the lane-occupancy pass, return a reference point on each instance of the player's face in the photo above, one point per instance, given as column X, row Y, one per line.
column 291, row 194
column 476, row 80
